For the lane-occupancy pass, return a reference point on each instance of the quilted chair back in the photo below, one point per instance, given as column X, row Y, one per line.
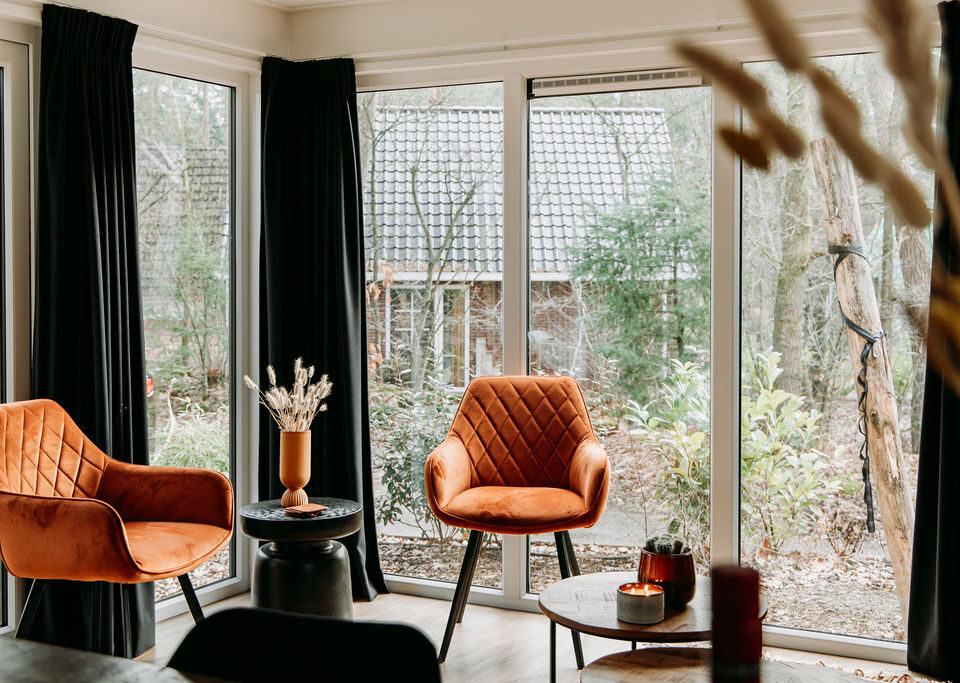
column 45, row 453
column 522, row 431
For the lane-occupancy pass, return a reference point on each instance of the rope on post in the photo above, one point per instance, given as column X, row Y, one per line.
column 871, row 339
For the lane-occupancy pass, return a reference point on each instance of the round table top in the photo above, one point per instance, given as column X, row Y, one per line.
column 588, row 603
column 267, row 521
column 692, row 665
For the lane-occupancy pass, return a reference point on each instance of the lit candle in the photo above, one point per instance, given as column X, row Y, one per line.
column 640, row 603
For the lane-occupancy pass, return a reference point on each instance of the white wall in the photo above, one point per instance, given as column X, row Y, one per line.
column 462, row 35
column 238, row 26
column 424, row 26
column 410, row 42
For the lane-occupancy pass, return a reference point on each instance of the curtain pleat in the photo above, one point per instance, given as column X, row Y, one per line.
column 88, row 352
column 933, row 627
column 312, row 296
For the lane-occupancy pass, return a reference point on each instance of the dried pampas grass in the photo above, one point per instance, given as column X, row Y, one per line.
column 293, row 410
column 727, row 73
column 749, row 147
column 782, row 39
column 903, row 30
column 840, row 114
column 773, row 132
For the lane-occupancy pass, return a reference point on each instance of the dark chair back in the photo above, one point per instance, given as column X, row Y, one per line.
column 251, row 644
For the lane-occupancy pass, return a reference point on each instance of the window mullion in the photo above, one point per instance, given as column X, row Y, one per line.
column 515, row 271
column 725, row 345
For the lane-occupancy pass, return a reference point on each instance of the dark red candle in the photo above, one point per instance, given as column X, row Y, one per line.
column 737, row 636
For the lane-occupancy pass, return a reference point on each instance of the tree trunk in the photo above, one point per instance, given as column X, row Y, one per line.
column 915, row 265
column 795, row 231
column 886, row 271
column 791, row 295
column 858, row 299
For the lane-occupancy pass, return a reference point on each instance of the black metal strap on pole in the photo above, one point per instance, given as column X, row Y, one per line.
column 870, row 339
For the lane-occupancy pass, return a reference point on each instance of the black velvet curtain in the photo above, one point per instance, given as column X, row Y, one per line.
column 88, row 328
column 933, row 630
column 312, row 296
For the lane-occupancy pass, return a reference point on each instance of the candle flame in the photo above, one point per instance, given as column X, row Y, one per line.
column 644, row 589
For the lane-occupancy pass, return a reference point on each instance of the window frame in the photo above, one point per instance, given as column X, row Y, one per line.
column 242, row 76
column 17, row 48
column 438, row 338
column 834, row 33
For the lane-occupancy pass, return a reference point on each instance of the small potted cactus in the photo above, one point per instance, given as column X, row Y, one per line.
column 667, row 561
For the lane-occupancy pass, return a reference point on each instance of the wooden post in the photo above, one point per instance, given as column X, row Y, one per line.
column 858, row 299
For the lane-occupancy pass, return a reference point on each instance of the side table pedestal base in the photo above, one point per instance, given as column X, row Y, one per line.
column 307, row 577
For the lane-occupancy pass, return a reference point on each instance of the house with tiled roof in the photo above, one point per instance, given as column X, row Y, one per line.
column 434, row 184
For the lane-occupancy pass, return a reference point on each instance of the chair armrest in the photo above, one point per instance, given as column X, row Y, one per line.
column 45, row 537
column 590, row 474
column 142, row 493
column 447, row 473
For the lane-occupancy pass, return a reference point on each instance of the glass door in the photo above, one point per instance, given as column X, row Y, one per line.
column 185, row 192
column 803, row 518
column 432, row 163
column 619, row 298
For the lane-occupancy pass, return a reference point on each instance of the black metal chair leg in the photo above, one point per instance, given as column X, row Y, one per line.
column 463, row 590
column 97, row 637
column 562, row 554
column 473, row 570
column 571, row 555
column 125, row 636
column 568, row 562
column 29, row 613
column 190, row 596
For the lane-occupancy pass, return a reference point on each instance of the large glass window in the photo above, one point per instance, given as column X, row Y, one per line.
column 15, row 224
column 803, row 517
column 433, row 200
column 620, row 216
column 184, row 139
column 4, row 183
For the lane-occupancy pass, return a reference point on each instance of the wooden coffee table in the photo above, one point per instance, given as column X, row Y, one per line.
column 588, row 604
column 692, row 665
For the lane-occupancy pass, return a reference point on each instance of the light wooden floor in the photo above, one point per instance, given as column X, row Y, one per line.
column 491, row 644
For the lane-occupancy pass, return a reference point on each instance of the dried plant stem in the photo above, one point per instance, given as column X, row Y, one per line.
column 293, row 411
column 839, row 112
column 774, row 132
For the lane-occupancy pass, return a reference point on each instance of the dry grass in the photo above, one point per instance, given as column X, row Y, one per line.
column 293, row 410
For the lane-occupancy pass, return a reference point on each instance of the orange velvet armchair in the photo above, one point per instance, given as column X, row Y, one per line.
column 69, row 511
column 520, row 458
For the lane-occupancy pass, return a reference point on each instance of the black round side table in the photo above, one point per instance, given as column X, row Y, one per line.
column 302, row 569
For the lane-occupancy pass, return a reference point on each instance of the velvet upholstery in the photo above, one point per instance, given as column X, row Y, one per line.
column 69, row 511
column 521, row 458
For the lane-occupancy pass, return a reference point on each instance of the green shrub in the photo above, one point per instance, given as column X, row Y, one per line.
column 677, row 433
column 405, row 427
column 781, row 472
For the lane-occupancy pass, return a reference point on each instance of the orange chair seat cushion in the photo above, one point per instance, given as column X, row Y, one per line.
column 168, row 549
column 515, row 509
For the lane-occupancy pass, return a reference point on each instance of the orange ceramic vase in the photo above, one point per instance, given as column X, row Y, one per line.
column 674, row 573
column 294, row 466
